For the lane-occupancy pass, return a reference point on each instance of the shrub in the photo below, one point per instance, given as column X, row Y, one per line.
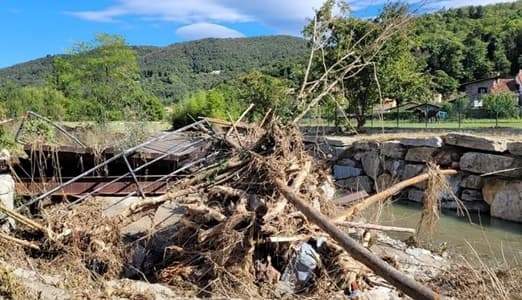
column 216, row 103
column 503, row 105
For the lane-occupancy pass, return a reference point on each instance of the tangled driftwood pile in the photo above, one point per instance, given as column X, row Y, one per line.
column 254, row 221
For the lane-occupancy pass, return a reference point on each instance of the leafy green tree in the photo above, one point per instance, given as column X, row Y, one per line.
column 443, row 83
column 216, row 103
column 103, row 79
column 393, row 72
column 502, row 105
column 476, row 64
column 266, row 92
column 41, row 99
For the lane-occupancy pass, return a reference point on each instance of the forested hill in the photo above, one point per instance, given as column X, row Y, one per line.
column 172, row 71
column 473, row 42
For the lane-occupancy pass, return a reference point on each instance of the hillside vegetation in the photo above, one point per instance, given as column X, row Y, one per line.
column 464, row 44
column 173, row 71
column 435, row 53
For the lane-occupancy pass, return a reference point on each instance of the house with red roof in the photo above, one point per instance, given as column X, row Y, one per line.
column 493, row 85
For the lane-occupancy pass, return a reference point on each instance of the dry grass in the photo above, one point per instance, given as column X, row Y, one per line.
column 472, row 278
column 437, row 185
column 10, row 288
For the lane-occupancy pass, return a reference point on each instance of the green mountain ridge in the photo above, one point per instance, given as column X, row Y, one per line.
column 172, row 71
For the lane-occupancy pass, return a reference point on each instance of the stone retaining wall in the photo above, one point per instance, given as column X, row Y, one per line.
column 372, row 166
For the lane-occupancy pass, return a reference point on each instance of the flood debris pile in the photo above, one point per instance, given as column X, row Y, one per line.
column 255, row 218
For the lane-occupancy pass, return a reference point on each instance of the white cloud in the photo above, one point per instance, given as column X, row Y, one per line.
column 281, row 15
column 206, row 30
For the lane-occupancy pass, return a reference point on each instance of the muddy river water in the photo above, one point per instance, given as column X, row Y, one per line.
column 492, row 239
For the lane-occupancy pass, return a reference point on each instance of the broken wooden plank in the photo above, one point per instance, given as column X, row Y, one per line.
column 376, row 227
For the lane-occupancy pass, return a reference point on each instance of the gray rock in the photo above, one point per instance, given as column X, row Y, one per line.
column 40, row 286
column 481, row 163
column 472, row 182
column 471, row 195
column 114, row 206
column 169, row 213
column 420, row 154
column 416, row 195
column 340, row 152
column 435, row 142
column 371, row 163
column 360, row 183
column 395, row 167
column 343, row 172
column 412, row 170
column 365, row 145
column 475, row 142
column 359, row 155
column 446, row 157
column 515, row 148
column 505, row 198
column 491, row 187
column 393, row 149
column 346, row 162
column 138, row 228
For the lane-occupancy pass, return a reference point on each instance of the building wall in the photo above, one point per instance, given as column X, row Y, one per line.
column 472, row 90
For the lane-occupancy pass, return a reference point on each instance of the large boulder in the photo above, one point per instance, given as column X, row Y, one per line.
column 114, row 206
column 371, row 162
column 475, row 142
column 393, row 149
column 505, row 198
column 420, row 154
column 515, row 148
column 472, row 182
column 346, row 162
column 477, row 162
column 446, row 157
column 412, row 170
column 491, row 187
column 343, row 172
column 434, row 141
column 394, row 167
column 365, row 145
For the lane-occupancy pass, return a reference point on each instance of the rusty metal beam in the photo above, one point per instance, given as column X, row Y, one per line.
column 79, row 188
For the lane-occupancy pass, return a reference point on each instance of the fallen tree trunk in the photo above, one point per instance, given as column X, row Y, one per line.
column 404, row 283
column 376, row 227
column 387, row 193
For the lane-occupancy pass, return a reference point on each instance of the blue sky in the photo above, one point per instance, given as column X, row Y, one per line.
column 35, row 28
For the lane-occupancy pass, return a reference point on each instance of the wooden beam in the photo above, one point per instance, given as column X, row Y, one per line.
column 376, row 227
column 401, row 281
column 387, row 193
